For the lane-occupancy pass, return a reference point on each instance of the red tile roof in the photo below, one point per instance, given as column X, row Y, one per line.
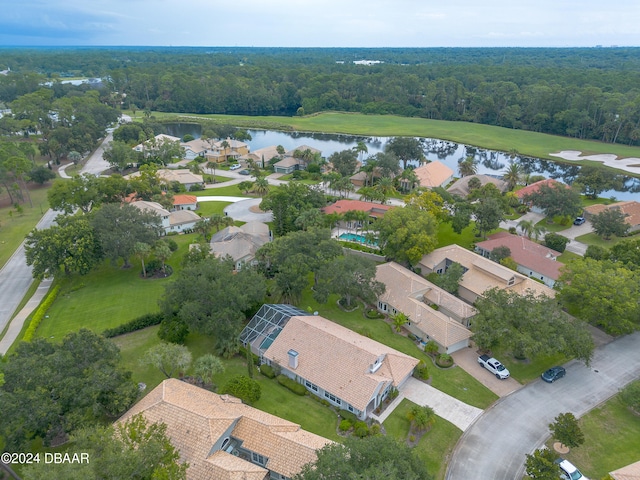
column 525, row 252
column 342, row 206
column 630, row 208
column 534, row 187
column 184, row 199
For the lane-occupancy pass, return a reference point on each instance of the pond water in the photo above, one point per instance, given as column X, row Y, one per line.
column 489, row 162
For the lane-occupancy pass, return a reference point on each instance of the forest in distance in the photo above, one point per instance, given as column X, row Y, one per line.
column 585, row 93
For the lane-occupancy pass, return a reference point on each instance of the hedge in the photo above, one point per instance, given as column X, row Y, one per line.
column 292, row 385
column 138, row 323
column 40, row 313
column 267, row 371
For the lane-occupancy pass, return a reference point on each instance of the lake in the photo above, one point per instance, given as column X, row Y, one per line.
column 489, row 162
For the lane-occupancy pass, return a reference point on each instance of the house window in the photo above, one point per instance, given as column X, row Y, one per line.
column 333, row 398
column 439, row 271
column 257, row 458
column 350, row 408
column 511, row 281
column 310, row 385
column 225, row 442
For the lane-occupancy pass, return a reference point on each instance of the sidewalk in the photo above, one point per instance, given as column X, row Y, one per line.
column 18, row 321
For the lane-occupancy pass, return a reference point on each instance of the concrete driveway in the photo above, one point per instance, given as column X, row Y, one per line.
column 467, row 359
column 494, row 447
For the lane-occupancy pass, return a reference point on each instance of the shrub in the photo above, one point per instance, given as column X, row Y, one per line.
column 267, row 371
column 556, row 242
column 254, row 357
column 372, row 313
column 171, row 243
column 431, row 348
column 40, row 313
column 421, row 371
column 630, row 396
column 292, row 385
column 345, row 425
column 375, row 429
column 361, row 429
column 196, row 187
column 513, row 230
column 138, row 323
column 173, row 330
column 444, row 360
column 347, row 415
column 413, row 337
column 243, row 387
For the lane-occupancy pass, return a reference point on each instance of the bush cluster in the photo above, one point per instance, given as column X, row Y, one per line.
column 267, row 371
column 40, row 313
column 292, row 385
column 347, row 415
column 361, row 429
column 421, row 371
column 138, row 323
column 344, row 425
column 173, row 330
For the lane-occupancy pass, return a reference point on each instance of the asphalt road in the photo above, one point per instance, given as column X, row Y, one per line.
column 494, row 447
column 15, row 276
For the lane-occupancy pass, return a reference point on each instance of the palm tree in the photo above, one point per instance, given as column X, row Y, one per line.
column 421, row 417
column 261, row 186
column 220, row 221
column 531, row 229
column 385, row 188
column 399, row 320
column 142, row 251
column 225, row 145
column 512, row 175
column 468, row 166
column 74, row 156
column 360, row 149
column 410, row 178
column 212, row 166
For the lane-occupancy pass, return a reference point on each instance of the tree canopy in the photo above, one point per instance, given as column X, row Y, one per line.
column 377, row 457
column 288, row 202
column 51, row 389
column 556, row 200
column 609, row 222
column 529, row 326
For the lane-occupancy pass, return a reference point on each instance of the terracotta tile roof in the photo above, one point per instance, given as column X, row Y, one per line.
column 433, row 174
column 267, row 152
column 240, row 242
column 407, row 293
column 483, row 273
column 461, row 187
column 184, row 199
column 534, row 187
column 342, row 206
column 196, row 419
column 303, row 148
column 288, row 162
column 630, row 208
column 526, row 253
column 630, row 472
column 338, row 359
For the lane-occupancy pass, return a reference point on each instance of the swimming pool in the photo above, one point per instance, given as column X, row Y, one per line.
column 352, row 237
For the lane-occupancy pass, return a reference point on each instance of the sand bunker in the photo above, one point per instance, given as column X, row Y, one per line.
column 630, row 164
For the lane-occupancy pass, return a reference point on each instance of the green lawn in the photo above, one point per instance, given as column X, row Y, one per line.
column 453, row 381
column 446, row 236
column 612, row 439
column 566, row 257
column 525, row 371
column 14, row 226
column 228, row 191
column 107, row 296
column 435, row 447
column 206, row 209
column 275, row 399
column 553, row 227
column 485, row 136
column 593, row 239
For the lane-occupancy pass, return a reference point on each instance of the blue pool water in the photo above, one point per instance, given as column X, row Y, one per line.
column 352, row 237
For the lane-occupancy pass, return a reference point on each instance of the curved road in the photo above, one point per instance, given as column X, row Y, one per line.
column 494, row 447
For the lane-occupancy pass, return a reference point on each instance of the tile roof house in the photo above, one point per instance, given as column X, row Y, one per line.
column 183, row 176
column 630, row 208
column 533, row 259
column 411, row 294
column 434, row 174
column 176, row 221
column 160, row 138
column 265, row 154
column 185, row 202
column 304, row 148
column 343, row 367
column 533, row 188
column 630, row 472
column 461, row 186
column 375, row 210
column 221, row 438
column 480, row 273
column 241, row 243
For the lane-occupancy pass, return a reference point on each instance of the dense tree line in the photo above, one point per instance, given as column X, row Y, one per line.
column 582, row 93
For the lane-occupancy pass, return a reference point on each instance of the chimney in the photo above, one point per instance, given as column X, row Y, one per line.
column 293, row 359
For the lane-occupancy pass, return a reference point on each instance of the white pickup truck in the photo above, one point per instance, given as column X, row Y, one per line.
column 494, row 366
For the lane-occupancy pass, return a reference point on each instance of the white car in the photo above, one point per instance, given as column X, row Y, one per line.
column 568, row 471
column 235, row 166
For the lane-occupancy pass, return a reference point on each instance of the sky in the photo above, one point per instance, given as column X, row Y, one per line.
column 321, row 23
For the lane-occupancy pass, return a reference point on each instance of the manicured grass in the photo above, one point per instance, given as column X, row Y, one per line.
column 206, row 209
column 552, row 227
column 107, row 296
column 485, row 136
column 219, row 179
column 593, row 239
column 525, row 371
column 228, row 191
column 15, row 226
column 275, row 399
column 453, row 381
column 567, row 256
column 446, row 236
column 435, row 446
column 612, row 439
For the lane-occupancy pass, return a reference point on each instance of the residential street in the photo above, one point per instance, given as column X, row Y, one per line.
column 494, row 447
